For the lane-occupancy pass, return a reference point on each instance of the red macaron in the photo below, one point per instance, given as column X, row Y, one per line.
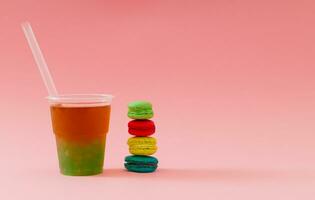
column 141, row 128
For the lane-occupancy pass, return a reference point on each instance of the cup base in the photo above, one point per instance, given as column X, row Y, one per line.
column 81, row 173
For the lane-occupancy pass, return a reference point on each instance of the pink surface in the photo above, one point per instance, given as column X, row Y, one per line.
column 232, row 83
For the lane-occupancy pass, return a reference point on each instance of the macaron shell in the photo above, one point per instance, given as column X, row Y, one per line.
column 141, row 159
column 141, row 141
column 141, row 124
column 141, row 133
column 140, row 168
column 140, row 105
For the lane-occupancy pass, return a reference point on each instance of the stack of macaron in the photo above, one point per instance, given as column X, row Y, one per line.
column 141, row 145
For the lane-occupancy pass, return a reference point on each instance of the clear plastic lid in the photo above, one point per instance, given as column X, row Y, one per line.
column 83, row 99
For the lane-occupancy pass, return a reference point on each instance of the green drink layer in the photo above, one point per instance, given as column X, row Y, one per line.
column 80, row 157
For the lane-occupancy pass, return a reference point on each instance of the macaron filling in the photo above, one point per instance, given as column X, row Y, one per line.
column 143, row 114
column 142, row 164
column 141, row 128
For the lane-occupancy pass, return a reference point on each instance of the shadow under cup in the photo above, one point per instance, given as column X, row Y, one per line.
column 80, row 124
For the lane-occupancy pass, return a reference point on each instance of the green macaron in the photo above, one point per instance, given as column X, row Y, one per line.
column 141, row 164
column 140, row 110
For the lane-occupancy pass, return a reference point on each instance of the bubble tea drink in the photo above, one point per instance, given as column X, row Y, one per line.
column 80, row 124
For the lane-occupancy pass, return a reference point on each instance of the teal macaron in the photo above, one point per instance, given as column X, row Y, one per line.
column 141, row 164
column 140, row 110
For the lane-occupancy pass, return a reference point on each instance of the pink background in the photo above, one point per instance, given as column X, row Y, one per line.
column 232, row 83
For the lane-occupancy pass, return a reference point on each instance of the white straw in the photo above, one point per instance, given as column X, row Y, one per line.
column 39, row 59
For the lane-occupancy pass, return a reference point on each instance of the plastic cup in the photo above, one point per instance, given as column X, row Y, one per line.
column 80, row 124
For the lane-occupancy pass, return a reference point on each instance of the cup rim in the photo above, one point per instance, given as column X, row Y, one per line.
column 80, row 98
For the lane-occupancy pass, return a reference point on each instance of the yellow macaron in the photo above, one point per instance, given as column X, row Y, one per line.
column 142, row 145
